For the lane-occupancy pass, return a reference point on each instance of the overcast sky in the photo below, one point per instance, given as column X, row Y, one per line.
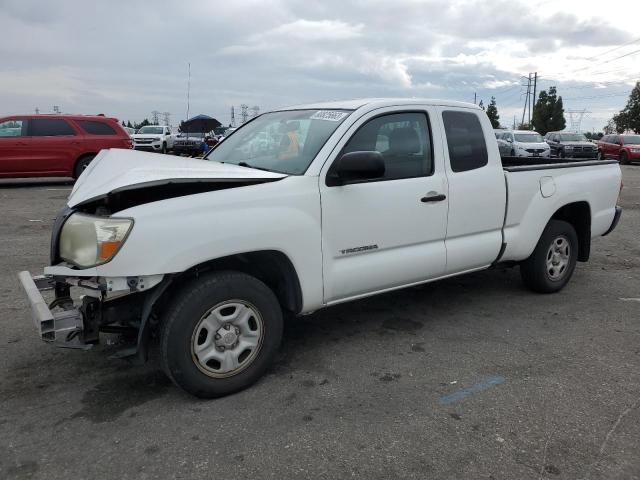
column 127, row 58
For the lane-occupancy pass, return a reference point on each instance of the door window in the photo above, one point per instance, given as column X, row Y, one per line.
column 96, row 128
column 403, row 139
column 465, row 139
column 49, row 127
column 12, row 128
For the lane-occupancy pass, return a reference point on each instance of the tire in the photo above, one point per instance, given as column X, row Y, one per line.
column 600, row 155
column 513, row 153
column 197, row 348
column 164, row 148
column 624, row 159
column 547, row 270
column 81, row 164
column 561, row 154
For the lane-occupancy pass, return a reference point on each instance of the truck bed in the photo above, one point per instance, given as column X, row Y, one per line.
column 520, row 164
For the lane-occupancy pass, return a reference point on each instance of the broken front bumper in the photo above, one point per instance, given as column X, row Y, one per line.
column 64, row 328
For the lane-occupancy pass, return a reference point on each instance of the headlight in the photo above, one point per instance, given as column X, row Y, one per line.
column 87, row 241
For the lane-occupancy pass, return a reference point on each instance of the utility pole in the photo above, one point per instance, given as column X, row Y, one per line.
column 37, row 111
column 155, row 117
column 56, row 109
column 166, row 118
column 233, row 116
column 188, row 90
column 535, row 86
column 475, row 98
column 244, row 113
column 526, row 99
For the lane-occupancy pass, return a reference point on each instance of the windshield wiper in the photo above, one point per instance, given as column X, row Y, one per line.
column 245, row 164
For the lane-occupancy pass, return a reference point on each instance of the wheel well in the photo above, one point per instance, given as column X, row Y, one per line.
column 578, row 214
column 84, row 155
column 271, row 267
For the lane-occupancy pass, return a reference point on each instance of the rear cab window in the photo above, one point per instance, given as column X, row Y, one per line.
column 93, row 127
column 465, row 140
column 50, row 127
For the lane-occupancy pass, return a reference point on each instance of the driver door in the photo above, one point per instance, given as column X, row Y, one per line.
column 387, row 232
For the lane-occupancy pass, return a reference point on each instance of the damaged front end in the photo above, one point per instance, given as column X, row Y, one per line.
column 116, row 305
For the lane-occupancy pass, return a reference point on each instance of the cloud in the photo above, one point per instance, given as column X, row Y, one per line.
column 128, row 58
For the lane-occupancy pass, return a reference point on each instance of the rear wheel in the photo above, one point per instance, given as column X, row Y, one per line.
column 220, row 334
column 82, row 164
column 551, row 265
column 624, row 158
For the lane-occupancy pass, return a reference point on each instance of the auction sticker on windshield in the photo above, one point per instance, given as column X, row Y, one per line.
column 331, row 115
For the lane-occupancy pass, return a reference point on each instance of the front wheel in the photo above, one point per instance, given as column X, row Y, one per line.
column 164, row 148
column 220, row 334
column 624, row 159
column 81, row 165
column 551, row 265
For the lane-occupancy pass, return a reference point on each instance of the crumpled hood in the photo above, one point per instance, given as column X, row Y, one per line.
column 118, row 170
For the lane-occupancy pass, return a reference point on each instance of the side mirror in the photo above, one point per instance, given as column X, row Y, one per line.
column 353, row 167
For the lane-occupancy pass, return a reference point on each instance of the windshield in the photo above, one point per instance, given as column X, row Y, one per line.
column 528, row 137
column 631, row 140
column 572, row 137
column 284, row 142
column 154, row 130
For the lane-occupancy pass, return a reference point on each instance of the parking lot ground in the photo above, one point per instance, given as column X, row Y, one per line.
column 472, row 377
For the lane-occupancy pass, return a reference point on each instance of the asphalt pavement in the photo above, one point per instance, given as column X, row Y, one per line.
column 473, row 377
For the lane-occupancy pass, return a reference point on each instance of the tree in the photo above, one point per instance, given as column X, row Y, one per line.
column 124, row 124
column 492, row 113
column 610, row 127
column 629, row 117
column 621, row 122
column 548, row 112
column 143, row 123
column 129, row 124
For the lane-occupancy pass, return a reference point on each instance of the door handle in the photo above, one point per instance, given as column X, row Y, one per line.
column 433, row 197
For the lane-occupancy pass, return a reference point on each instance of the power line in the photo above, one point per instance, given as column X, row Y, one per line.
column 614, row 49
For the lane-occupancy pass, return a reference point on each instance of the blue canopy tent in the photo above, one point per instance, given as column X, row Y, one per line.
column 199, row 124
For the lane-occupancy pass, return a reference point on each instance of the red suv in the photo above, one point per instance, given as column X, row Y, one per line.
column 55, row 145
column 625, row 148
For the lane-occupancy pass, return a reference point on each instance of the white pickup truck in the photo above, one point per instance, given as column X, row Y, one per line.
column 153, row 138
column 201, row 258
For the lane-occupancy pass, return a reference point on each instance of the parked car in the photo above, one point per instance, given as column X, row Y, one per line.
column 204, row 257
column 522, row 143
column 625, row 148
column 153, row 138
column 55, row 145
column 571, row 145
column 190, row 144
